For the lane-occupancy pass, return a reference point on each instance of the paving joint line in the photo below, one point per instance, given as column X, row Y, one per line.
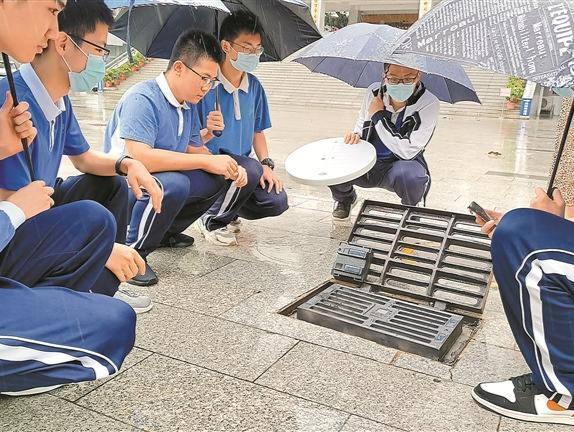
column 100, row 413
column 278, row 360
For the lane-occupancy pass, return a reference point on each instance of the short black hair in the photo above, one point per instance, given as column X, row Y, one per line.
column 237, row 23
column 81, row 17
column 193, row 46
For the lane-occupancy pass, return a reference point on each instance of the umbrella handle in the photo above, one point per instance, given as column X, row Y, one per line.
column 565, row 134
column 372, row 125
column 25, row 146
column 218, row 133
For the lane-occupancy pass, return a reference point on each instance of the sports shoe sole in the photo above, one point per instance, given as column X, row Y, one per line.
column 31, row 392
column 140, row 311
column 566, row 420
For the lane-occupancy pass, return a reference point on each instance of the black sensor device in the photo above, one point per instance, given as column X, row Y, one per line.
column 352, row 263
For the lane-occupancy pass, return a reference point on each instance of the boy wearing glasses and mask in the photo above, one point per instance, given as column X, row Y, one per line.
column 399, row 117
column 156, row 122
column 75, row 60
column 241, row 119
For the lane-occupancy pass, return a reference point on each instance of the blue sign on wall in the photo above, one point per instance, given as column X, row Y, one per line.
column 525, row 107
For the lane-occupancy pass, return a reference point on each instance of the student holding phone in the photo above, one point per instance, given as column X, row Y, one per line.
column 533, row 259
column 399, row 117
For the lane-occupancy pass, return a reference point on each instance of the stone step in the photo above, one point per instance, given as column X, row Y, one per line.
column 294, row 85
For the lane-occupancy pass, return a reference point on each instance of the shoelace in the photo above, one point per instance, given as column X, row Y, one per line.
column 523, row 383
column 129, row 293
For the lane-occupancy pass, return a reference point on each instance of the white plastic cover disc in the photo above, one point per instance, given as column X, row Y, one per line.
column 330, row 162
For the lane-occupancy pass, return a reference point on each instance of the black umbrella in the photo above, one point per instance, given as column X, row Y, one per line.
column 153, row 29
column 10, row 79
column 287, row 24
column 530, row 39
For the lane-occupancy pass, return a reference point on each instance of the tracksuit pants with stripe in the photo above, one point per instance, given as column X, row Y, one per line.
column 110, row 192
column 533, row 255
column 250, row 202
column 187, row 196
column 53, row 331
column 408, row 179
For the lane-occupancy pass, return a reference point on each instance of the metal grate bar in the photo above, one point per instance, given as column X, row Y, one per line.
column 406, row 326
column 426, row 254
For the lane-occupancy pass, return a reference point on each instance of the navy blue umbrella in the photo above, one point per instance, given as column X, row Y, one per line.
column 357, row 54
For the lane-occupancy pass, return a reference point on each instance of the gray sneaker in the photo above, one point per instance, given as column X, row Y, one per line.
column 140, row 303
column 219, row 237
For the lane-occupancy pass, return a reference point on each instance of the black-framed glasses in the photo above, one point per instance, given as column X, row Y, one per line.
column 101, row 48
column 207, row 81
column 408, row 80
column 250, row 50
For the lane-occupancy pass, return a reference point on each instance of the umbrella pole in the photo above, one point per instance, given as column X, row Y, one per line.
column 129, row 36
column 10, row 79
column 217, row 134
column 560, row 151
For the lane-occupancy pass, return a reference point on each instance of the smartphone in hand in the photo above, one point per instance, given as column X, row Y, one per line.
column 477, row 210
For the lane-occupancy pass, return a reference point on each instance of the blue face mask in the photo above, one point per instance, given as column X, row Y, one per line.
column 91, row 76
column 246, row 62
column 400, row 92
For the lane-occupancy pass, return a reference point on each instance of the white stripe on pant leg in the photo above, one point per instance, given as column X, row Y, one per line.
column 141, row 235
column 62, row 347
column 532, row 281
column 229, row 199
column 20, row 354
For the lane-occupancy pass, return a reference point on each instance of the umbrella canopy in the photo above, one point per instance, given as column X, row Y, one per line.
column 116, row 4
column 528, row 39
column 287, row 24
column 357, row 55
column 533, row 40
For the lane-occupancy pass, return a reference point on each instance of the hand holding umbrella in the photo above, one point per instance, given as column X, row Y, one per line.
column 24, row 141
column 217, row 133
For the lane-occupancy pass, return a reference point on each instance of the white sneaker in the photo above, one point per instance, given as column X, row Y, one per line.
column 140, row 303
column 519, row 398
column 235, row 226
column 219, row 237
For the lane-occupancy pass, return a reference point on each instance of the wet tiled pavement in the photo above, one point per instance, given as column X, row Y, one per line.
column 214, row 354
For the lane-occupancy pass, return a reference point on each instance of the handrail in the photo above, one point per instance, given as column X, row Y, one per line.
column 120, row 60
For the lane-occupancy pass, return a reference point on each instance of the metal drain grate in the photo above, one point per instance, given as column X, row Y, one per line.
column 425, row 254
column 405, row 326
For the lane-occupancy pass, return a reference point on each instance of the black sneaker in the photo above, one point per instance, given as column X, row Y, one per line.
column 177, row 241
column 342, row 211
column 519, row 398
column 147, row 279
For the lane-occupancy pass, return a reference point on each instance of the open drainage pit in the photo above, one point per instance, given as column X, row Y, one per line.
column 412, row 279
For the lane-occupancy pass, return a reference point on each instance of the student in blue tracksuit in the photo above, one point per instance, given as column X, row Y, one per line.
column 399, row 117
column 533, row 257
column 75, row 60
column 51, row 336
column 243, row 119
column 156, row 122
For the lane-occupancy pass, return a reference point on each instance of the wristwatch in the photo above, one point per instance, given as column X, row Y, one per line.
column 268, row 162
column 119, row 165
